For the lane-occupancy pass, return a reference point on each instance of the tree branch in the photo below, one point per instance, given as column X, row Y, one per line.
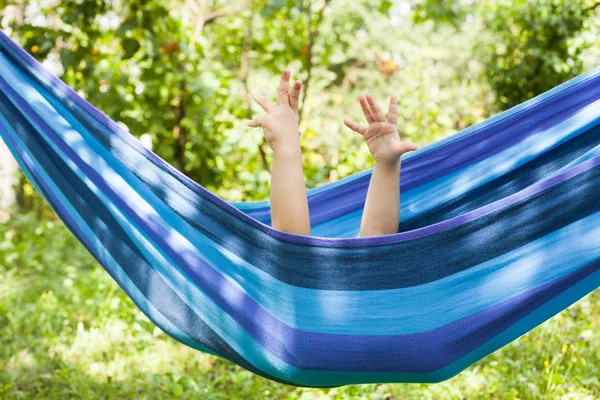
column 210, row 17
column 592, row 7
column 313, row 33
column 244, row 70
column 179, row 130
column 203, row 19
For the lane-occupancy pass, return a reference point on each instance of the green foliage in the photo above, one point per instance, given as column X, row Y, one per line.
column 138, row 63
column 526, row 47
column 174, row 72
column 452, row 11
column 178, row 73
column 68, row 331
column 534, row 46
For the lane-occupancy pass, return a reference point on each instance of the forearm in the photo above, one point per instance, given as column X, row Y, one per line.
column 289, row 205
column 381, row 213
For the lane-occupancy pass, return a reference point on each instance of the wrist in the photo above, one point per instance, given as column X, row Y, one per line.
column 288, row 144
column 387, row 168
column 287, row 149
column 388, row 164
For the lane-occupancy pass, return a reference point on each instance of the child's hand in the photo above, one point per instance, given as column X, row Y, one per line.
column 381, row 134
column 280, row 124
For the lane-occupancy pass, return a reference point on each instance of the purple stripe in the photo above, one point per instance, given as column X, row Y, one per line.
column 423, row 352
column 315, row 241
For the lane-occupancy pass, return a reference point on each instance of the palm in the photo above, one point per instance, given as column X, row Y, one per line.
column 381, row 134
column 280, row 123
column 382, row 140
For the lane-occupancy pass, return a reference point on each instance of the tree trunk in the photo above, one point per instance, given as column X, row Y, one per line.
column 8, row 168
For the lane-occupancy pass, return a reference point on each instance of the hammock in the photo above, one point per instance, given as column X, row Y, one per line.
column 500, row 231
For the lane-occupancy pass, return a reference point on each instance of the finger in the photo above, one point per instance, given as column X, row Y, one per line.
column 392, row 116
column 284, row 88
column 404, row 147
column 255, row 123
column 262, row 101
column 356, row 127
column 295, row 95
column 375, row 110
column 366, row 109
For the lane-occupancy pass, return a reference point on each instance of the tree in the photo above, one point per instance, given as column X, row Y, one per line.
column 527, row 47
column 179, row 72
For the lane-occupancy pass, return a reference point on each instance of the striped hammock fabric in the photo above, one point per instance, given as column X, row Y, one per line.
column 500, row 231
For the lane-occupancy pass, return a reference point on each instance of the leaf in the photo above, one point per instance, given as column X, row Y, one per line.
column 127, row 25
column 268, row 10
column 131, row 46
column 384, row 6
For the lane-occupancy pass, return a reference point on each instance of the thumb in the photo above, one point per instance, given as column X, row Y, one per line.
column 256, row 122
column 404, row 147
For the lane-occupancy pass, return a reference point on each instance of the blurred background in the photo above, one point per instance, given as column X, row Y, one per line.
column 177, row 74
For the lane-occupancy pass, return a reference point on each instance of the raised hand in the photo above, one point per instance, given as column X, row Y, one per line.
column 382, row 133
column 289, row 205
column 280, row 123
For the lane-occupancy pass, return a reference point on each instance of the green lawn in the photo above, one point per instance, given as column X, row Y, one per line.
column 67, row 330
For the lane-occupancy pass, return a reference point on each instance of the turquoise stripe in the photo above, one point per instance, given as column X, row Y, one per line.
column 438, row 303
column 345, row 226
column 541, row 314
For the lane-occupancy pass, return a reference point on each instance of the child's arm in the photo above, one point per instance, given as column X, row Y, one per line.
column 289, row 205
column 381, row 214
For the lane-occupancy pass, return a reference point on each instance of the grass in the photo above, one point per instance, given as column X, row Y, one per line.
column 68, row 331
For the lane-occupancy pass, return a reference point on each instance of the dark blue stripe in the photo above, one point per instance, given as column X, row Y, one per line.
column 401, row 264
